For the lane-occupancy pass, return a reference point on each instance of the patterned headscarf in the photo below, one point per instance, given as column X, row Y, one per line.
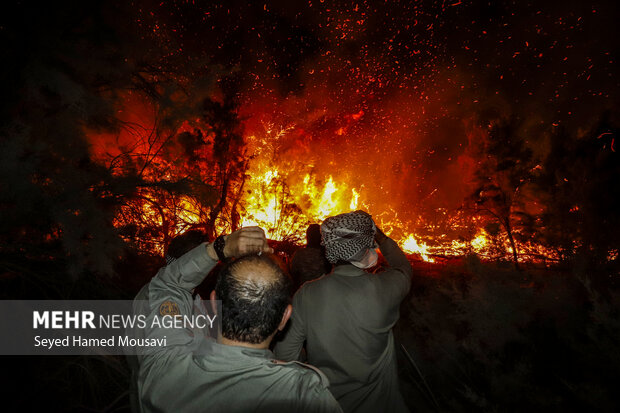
column 345, row 235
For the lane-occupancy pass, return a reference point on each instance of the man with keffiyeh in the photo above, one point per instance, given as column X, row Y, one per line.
column 346, row 317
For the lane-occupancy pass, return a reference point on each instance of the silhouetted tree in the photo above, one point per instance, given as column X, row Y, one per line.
column 505, row 167
column 230, row 161
column 68, row 80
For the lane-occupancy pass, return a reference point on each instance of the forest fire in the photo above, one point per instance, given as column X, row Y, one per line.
column 283, row 197
column 446, row 170
column 481, row 136
column 278, row 178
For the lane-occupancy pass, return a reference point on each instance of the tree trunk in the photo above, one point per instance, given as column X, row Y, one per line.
column 235, row 218
column 515, row 255
column 215, row 212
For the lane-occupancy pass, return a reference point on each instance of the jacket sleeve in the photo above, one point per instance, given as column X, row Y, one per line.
column 170, row 293
column 323, row 402
column 289, row 347
column 315, row 396
column 397, row 278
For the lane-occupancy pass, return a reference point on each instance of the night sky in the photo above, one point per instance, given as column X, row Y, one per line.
column 553, row 60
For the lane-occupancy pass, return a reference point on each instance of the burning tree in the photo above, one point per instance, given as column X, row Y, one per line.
column 111, row 138
column 192, row 173
column 228, row 157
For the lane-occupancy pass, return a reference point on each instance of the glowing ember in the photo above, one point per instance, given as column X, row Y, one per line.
column 480, row 242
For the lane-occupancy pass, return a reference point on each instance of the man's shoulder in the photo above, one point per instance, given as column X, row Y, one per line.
column 302, row 372
column 313, row 287
column 308, row 386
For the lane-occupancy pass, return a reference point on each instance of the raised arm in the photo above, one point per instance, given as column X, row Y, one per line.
column 399, row 272
column 170, row 291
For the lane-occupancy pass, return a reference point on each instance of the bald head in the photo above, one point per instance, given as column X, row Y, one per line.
column 254, row 293
column 260, row 269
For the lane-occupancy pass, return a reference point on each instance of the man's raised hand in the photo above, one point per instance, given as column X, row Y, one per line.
column 248, row 240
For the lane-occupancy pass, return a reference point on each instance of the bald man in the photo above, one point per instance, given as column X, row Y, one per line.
column 237, row 372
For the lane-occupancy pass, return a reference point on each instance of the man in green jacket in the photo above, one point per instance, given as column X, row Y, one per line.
column 237, row 372
column 346, row 317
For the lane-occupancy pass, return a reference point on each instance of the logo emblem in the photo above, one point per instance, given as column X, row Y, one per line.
column 169, row 308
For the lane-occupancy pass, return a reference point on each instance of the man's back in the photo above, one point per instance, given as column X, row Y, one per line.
column 233, row 379
column 346, row 318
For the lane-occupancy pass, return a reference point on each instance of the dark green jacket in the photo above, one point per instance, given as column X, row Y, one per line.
column 346, row 318
column 197, row 374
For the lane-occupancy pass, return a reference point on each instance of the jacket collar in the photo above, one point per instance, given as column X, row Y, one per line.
column 348, row 270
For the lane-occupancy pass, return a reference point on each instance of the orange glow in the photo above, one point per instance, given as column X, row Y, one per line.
column 285, row 185
column 281, row 202
column 411, row 246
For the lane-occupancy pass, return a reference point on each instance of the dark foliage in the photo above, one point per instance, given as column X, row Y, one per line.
column 489, row 338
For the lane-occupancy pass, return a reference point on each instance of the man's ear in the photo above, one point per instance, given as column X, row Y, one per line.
column 213, row 303
column 287, row 314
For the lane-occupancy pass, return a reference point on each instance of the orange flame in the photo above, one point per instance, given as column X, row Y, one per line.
column 412, row 246
column 285, row 194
